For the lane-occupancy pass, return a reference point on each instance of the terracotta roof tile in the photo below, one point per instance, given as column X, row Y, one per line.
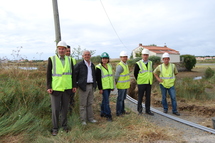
column 160, row 50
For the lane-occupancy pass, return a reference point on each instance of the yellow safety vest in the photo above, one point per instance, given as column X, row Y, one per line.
column 74, row 61
column 107, row 76
column 124, row 78
column 167, row 75
column 145, row 75
column 61, row 75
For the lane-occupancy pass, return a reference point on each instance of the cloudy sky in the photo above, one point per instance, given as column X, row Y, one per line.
column 187, row 26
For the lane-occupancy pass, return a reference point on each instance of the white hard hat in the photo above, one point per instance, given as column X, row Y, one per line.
column 62, row 44
column 123, row 53
column 145, row 51
column 165, row 55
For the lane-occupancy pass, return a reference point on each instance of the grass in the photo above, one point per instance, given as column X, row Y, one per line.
column 25, row 115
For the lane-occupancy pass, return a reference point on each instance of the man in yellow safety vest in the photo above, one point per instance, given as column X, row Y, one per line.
column 144, row 76
column 165, row 74
column 122, row 79
column 60, row 84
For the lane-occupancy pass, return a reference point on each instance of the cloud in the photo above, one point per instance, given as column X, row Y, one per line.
column 186, row 26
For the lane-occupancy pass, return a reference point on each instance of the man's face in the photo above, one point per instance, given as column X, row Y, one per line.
column 124, row 58
column 166, row 61
column 86, row 56
column 68, row 52
column 61, row 51
column 145, row 57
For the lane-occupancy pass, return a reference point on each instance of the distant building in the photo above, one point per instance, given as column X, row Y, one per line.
column 158, row 51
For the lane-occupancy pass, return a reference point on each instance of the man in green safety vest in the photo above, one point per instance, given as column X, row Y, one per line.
column 165, row 74
column 60, row 84
column 122, row 79
column 144, row 76
column 105, row 82
column 72, row 101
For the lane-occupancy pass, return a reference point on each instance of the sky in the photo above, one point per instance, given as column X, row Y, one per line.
column 27, row 26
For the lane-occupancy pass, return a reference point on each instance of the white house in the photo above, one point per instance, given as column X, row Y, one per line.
column 158, row 51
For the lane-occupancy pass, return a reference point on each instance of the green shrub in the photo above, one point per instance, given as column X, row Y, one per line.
column 189, row 61
column 208, row 73
column 96, row 59
column 155, row 59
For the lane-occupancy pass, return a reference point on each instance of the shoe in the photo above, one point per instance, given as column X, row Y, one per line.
column 126, row 112
column 93, row 121
column 66, row 130
column 84, row 123
column 176, row 113
column 165, row 111
column 109, row 119
column 102, row 115
column 54, row 133
column 150, row 113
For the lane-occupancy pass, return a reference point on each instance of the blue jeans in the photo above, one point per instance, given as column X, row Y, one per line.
column 105, row 108
column 120, row 106
column 172, row 94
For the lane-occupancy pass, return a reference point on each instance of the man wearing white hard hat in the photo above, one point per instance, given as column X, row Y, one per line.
column 122, row 79
column 144, row 76
column 165, row 74
column 61, row 83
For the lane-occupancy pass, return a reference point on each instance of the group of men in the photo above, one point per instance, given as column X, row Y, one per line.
column 64, row 76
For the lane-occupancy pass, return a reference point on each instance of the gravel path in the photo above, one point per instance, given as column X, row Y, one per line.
column 187, row 133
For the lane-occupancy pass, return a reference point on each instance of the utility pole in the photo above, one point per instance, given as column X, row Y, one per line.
column 56, row 21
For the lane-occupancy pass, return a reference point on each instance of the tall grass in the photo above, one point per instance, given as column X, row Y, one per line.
column 192, row 89
column 25, row 116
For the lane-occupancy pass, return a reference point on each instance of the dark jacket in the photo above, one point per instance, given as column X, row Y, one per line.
column 81, row 75
column 49, row 75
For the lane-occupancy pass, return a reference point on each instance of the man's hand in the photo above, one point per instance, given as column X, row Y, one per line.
column 74, row 90
column 100, row 91
column 49, row 91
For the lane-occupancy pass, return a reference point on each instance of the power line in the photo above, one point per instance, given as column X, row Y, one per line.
column 112, row 25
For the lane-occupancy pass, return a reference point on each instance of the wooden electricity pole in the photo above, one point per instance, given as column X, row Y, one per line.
column 56, row 21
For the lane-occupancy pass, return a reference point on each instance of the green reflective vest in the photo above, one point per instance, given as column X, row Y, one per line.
column 145, row 75
column 74, row 61
column 124, row 78
column 107, row 76
column 167, row 75
column 61, row 75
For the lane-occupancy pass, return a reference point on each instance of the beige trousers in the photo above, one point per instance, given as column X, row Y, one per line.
column 86, row 102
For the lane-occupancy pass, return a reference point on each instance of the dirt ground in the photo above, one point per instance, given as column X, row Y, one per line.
column 197, row 111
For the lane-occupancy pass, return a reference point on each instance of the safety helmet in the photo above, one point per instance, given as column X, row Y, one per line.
column 165, row 55
column 123, row 53
column 62, row 44
column 104, row 55
column 145, row 51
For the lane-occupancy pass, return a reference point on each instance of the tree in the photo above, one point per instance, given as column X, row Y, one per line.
column 77, row 52
column 189, row 61
column 155, row 59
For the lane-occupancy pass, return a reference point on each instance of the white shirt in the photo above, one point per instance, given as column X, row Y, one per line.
column 89, row 72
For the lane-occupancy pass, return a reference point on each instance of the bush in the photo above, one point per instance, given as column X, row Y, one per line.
column 155, row 59
column 96, row 59
column 189, row 61
column 208, row 73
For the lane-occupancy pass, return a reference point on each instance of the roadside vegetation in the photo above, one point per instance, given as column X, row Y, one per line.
column 25, row 115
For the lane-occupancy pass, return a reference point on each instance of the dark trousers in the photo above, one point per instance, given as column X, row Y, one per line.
column 71, row 102
column 120, row 105
column 59, row 105
column 105, row 107
column 144, row 89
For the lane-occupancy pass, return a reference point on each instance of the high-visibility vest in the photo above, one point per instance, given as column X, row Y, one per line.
column 124, row 78
column 74, row 61
column 167, row 75
column 145, row 75
column 61, row 75
column 106, row 76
